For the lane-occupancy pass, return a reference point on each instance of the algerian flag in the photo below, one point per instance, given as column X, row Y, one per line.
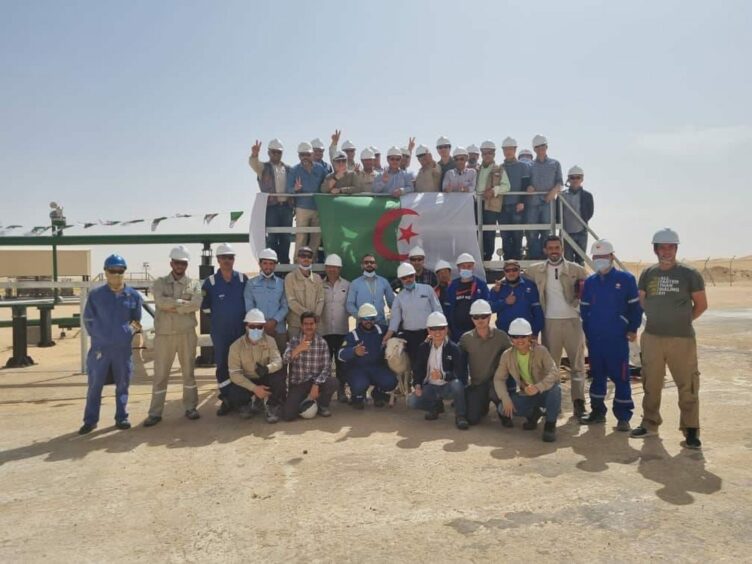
column 257, row 235
column 234, row 217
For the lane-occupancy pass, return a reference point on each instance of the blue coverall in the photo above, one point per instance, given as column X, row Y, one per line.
column 527, row 305
column 368, row 370
column 225, row 303
column 610, row 308
column 459, row 314
column 107, row 317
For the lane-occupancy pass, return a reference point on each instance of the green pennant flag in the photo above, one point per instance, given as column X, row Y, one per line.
column 234, row 217
column 352, row 226
column 87, row 225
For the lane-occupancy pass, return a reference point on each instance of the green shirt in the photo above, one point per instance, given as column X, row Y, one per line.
column 482, row 180
column 523, row 361
column 668, row 299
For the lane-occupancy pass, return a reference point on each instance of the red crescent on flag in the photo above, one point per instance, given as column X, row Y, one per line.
column 386, row 219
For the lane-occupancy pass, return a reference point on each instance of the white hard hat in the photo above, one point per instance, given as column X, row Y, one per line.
column 276, row 145
column 459, row 151
column 255, row 316
column 268, row 254
column 509, row 142
column 575, row 170
column 317, row 143
column 308, row 409
column 367, row 310
column 473, row 149
column 443, row 141
column 421, row 150
column 465, row 257
column 480, row 307
column 527, row 152
column 436, row 319
column 224, row 249
column 405, row 269
column 180, row 253
column 333, row 260
column 441, row 265
column 666, row 235
column 367, row 153
column 347, row 145
column 416, row 251
column 394, row 151
column 601, row 247
column 539, row 140
column 339, row 156
column 405, row 151
column 305, row 148
column 375, row 149
column 520, row 326
column 487, row 145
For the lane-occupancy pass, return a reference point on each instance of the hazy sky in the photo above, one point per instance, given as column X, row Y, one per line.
column 122, row 110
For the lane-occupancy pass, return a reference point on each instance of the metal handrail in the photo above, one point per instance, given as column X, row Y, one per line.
column 575, row 246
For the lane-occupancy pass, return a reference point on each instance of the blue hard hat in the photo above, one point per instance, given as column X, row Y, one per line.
column 114, row 261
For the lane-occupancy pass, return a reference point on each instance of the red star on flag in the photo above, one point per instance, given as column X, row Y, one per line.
column 407, row 233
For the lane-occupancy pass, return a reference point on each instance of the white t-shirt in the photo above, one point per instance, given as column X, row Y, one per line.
column 556, row 306
column 434, row 363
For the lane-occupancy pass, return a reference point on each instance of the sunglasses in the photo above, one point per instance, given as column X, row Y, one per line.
column 255, row 326
column 511, row 270
column 516, row 337
column 437, row 328
column 111, row 271
column 481, row 316
column 575, row 177
column 226, row 257
column 369, row 262
column 370, row 318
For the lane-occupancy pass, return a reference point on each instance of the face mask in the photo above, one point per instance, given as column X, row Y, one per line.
column 369, row 274
column 602, row 265
column 305, row 267
column 466, row 274
column 270, row 275
column 255, row 334
column 409, row 286
column 115, row 281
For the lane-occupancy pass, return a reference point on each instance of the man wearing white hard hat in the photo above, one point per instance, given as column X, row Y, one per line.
column 304, row 290
column 306, row 178
column 461, row 294
column 393, row 180
column 526, row 156
column 423, row 275
column 318, row 154
column 611, row 314
column 255, row 366
column 340, row 181
column 545, row 177
column 439, row 373
column 446, row 162
column 443, row 272
column 335, row 321
column 429, row 176
column 513, row 205
column 482, row 348
column 407, row 153
column 367, row 174
column 673, row 296
column 370, row 288
column 224, row 303
column 177, row 298
column 410, row 309
column 491, row 186
column 363, row 355
column 376, row 158
column 580, row 203
column 266, row 292
column 348, row 147
column 460, row 178
column 536, row 379
column 473, row 156
column 272, row 180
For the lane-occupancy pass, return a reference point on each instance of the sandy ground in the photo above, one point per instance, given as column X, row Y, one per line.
column 367, row 486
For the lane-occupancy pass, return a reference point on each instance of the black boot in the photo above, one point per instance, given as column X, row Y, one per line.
column 341, row 393
column 224, row 409
column 693, row 441
column 593, row 417
column 579, row 408
column 549, row 432
column 532, row 421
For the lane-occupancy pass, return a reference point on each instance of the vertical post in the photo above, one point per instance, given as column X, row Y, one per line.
column 205, row 269
column 20, row 356
column 45, row 326
column 479, row 222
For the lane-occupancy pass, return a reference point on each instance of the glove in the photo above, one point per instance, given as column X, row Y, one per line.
column 262, row 371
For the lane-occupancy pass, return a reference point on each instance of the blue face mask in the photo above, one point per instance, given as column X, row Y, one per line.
column 409, row 286
column 255, row 334
column 466, row 274
column 602, row 265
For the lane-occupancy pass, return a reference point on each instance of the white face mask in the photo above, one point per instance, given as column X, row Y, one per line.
column 305, row 267
column 602, row 265
column 466, row 274
column 270, row 275
column 115, row 281
column 369, row 274
column 255, row 334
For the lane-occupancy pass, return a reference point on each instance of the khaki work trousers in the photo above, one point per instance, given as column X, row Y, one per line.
column 566, row 334
column 307, row 218
column 680, row 355
column 165, row 349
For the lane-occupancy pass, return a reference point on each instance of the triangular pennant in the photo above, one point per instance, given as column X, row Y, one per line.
column 109, row 222
column 208, row 217
column 234, row 217
column 132, row 221
column 182, row 215
column 156, row 221
column 87, row 225
column 14, row 226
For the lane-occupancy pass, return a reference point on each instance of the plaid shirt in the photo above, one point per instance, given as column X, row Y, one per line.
column 314, row 364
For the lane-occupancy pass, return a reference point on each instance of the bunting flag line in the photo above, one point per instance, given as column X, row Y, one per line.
column 108, row 222
column 234, row 217
column 208, row 217
column 156, row 221
column 183, row 215
column 132, row 221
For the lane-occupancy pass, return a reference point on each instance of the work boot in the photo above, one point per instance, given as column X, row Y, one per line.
column 358, row 403
column 324, row 411
column 433, row 413
column 224, row 409
column 549, row 432
column 506, row 421
column 593, row 417
column 532, row 421
column 641, row 432
column 192, row 414
column 692, row 440
column 342, row 394
column 272, row 415
column 123, row 424
column 579, row 408
column 246, row 412
column 86, row 429
column 379, row 398
column 257, row 405
column 461, row 423
column 623, row 426
column 152, row 420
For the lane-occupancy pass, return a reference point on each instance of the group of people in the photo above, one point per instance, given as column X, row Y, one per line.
column 284, row 347
column 518, row 190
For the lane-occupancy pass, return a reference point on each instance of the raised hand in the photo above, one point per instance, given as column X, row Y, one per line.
column 335, row 136
column 256, row 148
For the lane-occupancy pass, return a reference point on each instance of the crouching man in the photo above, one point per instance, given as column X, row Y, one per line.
column 364, row 361
column 537, row 379
column 255, row 367
column 439, row 374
